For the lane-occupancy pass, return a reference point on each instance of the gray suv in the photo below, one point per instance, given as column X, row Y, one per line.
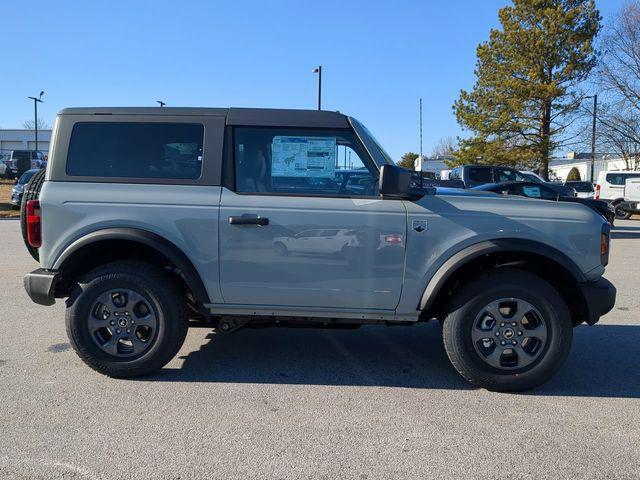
column 150, row 220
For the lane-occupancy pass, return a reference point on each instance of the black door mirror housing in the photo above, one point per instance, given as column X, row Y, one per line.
column 400, row 183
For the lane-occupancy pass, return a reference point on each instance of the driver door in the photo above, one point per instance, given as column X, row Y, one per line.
column 290, row 182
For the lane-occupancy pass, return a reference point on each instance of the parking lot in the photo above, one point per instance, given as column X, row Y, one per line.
column 279, row 403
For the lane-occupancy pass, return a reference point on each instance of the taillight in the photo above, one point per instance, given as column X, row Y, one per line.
column 597, row 195
column 605, row 236
column 34, row 230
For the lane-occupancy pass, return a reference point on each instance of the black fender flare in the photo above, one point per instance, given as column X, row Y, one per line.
column 163, row 246
column 467, row 254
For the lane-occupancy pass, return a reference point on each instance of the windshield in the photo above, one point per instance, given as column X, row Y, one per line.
column 21, row 155
column 26, row 176
column 379, row 154
column 531, row 177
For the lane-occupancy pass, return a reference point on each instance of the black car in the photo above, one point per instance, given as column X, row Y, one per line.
column 545, row 192
column 476, row 175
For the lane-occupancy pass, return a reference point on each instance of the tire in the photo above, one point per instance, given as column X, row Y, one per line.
column 145, row 285
column 621, row 213
column 31, row 192
column 467, row 311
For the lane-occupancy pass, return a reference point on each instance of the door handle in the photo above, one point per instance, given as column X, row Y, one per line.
column 247, row 219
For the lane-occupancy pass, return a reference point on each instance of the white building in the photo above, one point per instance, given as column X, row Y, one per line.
column 560, row 168
column 24, row 140
column 436, row 164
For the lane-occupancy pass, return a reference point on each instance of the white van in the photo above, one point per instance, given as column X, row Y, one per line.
column 610, row 187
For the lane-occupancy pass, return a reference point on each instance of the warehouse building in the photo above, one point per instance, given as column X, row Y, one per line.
column 19, row 139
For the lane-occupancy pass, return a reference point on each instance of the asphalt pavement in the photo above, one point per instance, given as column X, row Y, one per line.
column 373, row 403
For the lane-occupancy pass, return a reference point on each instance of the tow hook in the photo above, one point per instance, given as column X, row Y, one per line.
column 231, row 324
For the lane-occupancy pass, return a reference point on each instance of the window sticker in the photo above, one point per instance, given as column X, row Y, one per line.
column 296, row 156
column 531, row 191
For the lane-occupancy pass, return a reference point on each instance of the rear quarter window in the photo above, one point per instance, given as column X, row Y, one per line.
column 136, row 150
column 620, row 178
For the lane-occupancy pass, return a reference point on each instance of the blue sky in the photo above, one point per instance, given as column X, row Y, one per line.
column 378, row 58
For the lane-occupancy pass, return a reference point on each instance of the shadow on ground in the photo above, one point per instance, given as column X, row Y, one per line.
column 604, row 362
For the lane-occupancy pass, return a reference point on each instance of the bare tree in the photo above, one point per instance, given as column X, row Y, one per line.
column 619, row 82
column 444, row 147
column 42, row 125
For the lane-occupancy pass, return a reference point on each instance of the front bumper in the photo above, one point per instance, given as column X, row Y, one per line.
column 41, row 285
column 600, row 297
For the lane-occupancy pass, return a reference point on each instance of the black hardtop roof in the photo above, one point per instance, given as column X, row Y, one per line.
column 234, row 116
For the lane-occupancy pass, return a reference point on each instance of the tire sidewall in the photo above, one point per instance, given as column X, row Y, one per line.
column 459, row 324
column 168, row 329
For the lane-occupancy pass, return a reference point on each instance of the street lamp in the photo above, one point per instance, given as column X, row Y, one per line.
column 318, row 70
column 36, row 100
column 162, row 104
column 593, row 133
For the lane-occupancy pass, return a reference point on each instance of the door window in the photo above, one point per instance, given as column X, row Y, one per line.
column 480, row 175
column 303, row 162
column 508, row 175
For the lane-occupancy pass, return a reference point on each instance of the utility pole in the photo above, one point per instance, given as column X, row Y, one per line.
column 420, row 158
column 318, row 70
column 36, row 100
column 593, row 136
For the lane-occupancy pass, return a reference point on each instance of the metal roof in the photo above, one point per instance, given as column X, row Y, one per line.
column 234, row 116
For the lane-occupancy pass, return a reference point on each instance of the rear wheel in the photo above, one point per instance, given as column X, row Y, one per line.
column 31, row 192
column 126, row 319
column 621, row 213
column 507, row 331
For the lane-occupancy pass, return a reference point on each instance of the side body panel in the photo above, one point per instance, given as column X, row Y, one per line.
column 455, row 222
column 185, row 215
column 342, row 253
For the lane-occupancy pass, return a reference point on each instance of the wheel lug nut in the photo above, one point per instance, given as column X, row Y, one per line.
column 497, row 334
column 118, row 332
column 503, row 343
column 502, row 324
column 128, row 331
column 519, row 332
column 513, row 324
column 133, row 322
column 513, row 342
column 112, row 323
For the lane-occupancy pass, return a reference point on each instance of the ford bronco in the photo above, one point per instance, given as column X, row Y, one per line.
column 149, row 220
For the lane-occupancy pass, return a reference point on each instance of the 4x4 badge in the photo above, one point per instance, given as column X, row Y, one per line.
column 419, row 225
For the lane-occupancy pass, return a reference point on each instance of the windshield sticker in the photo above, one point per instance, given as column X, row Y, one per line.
column 531, row 191
column 303, row 157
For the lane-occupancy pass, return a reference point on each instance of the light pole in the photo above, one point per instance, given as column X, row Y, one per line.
column 161, row 103
column 593, row 133
column 36, row 100
column 318, row 70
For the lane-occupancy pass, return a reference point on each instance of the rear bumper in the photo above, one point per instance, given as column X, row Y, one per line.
column 600, row 297
column 41, row 285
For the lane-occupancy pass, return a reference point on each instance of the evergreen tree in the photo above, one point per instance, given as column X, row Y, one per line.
column 528, row 76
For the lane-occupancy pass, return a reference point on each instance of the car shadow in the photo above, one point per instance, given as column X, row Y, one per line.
column 604, row 360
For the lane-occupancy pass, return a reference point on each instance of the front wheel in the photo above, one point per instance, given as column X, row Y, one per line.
column 508, row 330
column 126, row 319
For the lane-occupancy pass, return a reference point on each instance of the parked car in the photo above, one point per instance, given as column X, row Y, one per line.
column 19, row 161
column 583, row 189
column 610, row 188
column 18, row 188
column 475, row 175
column 142, row 247
column 5, row 171
column 544, row 192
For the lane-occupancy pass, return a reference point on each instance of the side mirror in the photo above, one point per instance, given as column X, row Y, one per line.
column 398, row 182
column 395, row 182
